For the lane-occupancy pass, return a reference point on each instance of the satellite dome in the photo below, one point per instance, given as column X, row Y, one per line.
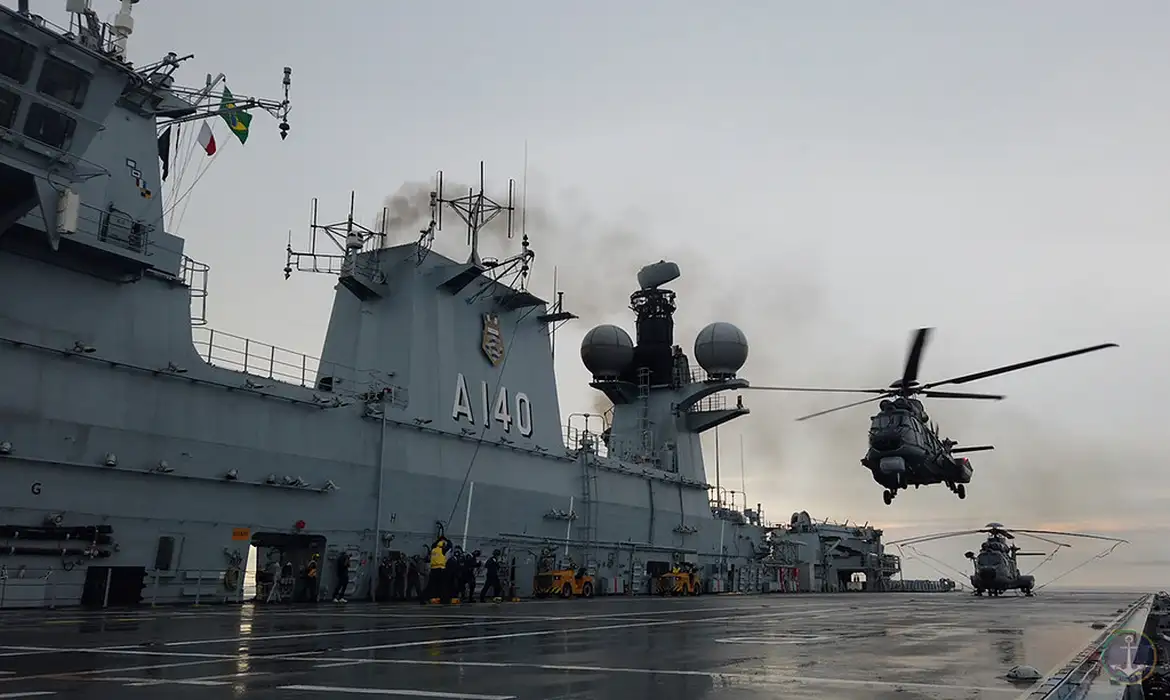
column 606, row 351
column 721, row 349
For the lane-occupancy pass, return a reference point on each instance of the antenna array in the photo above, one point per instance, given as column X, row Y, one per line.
column 348, row 238
column 475, row 209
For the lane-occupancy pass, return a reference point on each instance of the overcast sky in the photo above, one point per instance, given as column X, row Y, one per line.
column 830, row 175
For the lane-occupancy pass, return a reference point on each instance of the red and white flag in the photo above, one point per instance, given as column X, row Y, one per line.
column 207, row 139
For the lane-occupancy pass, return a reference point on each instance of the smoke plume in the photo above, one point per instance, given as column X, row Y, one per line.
column 781, row 304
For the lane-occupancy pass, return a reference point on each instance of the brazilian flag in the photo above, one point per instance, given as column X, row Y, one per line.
column 237, row 119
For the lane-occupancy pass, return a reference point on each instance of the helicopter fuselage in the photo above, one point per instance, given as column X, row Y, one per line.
column 905, row 451
column 996, row 570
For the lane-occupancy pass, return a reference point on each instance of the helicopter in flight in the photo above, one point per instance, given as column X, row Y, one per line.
column 905, row 448
column 996, row 565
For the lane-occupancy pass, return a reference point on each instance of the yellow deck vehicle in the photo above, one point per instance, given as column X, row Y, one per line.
column 567, row 583
column 682, row 580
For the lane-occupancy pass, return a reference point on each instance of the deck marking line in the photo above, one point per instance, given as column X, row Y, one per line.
column 339, row 664
column 89, row 674
column 781, row 614
column 222, row 679
column 596, row 628
column 29, row 694
column 401, row 692
column 315, row 655
column 757, row 679
column 502, row 620
column 139, row 682
column 324, row 633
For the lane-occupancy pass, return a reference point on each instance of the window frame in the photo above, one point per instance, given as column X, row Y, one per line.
column 34, row 109
column 16, row 102
column 63, row 70
column 26, row 57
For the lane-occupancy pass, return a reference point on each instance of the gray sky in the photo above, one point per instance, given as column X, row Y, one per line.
column 829, row 174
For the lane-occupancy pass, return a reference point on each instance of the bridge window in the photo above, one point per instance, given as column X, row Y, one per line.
column 16, row 58
column 49, row 126
column 63, row 81
column 9, row 103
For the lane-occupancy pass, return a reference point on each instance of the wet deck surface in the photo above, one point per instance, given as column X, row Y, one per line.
column 842, row 647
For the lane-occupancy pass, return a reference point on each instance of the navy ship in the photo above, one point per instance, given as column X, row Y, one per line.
column 148, row 457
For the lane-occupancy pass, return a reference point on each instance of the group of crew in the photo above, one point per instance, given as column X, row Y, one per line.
column 452, row 575
column 453, row 572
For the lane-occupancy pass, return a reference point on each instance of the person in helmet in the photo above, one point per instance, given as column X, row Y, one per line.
column 492, row 579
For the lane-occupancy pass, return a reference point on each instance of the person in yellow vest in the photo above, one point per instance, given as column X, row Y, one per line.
column 437, row 580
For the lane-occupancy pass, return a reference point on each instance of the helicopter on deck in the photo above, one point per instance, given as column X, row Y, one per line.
column 905, row 448
column 996, row 566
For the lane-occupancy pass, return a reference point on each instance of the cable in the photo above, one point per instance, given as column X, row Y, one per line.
column 486, row 424
column 1100, row 555
column 922, row 554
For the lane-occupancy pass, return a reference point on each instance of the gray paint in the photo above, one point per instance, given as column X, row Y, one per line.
column 98, row 364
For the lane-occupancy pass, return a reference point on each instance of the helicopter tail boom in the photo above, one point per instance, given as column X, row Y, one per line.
column 973, row 448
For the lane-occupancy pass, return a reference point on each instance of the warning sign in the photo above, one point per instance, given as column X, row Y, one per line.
column 241, row 534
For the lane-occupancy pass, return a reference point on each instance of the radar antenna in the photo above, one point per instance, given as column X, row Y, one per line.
column 349, row 238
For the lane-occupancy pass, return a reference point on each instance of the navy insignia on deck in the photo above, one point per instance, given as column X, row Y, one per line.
column 493, row 339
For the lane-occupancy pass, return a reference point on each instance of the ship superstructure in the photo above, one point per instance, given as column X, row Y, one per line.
column 144, row 455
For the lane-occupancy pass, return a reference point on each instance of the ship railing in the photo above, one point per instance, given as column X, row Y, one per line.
column 241, row 354
column 715, row 402
column 194, row 276
column 27, row 587
column 109, row 226
column 692, row 375
column 577, row 439
column 103, row 42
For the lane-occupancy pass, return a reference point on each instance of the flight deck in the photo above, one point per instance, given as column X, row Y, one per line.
column 843, row 646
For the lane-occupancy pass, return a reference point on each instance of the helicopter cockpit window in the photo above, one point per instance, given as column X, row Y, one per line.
column 987, row 559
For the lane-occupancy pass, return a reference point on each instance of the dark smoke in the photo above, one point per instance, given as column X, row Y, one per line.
column 599, row 256
column 781, row 304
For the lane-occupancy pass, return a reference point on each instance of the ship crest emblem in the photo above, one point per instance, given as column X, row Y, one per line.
column 492, row 343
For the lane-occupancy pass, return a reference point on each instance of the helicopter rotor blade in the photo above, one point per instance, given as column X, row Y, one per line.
column 937, row 536
column 914, row 356
column 1044, row 539
column 842, row 408
column 961, row 395
column 1019, row 365
column 818, row 390
column 1058, row 533
column 972, row 448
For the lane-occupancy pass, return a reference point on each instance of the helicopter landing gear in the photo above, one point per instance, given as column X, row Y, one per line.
column 958, row 489
column 1027, row 592
column 979, row 592
column 888, row 496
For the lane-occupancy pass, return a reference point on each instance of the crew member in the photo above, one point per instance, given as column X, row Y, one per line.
column 312, row 580
column 492, row 582
column 413, row 578
column 437, row 580
column 342, row 577
column 470, row 569
column 455, row 572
